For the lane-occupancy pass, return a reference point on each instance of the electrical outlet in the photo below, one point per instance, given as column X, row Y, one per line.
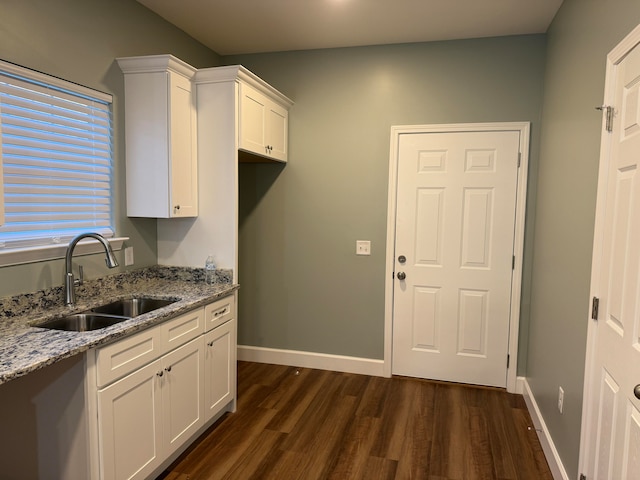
column 128, row 256
column 560, row 399
column 363, row 247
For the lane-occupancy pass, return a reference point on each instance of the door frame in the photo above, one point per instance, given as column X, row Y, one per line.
column 521, row 199
column 614, row 58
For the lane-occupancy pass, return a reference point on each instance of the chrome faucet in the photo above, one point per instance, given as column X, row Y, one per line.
column 69, row 281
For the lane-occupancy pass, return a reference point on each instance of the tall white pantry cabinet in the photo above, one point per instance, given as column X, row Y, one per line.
column 237, row 113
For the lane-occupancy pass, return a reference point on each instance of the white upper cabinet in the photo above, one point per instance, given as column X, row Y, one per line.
column 160, row 125
column 263, row 124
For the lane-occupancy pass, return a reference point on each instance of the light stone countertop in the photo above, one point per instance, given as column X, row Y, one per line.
column 25, row 348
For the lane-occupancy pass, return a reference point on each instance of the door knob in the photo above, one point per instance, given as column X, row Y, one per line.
column 636, row 391
column 402, row 259
column 402, row 275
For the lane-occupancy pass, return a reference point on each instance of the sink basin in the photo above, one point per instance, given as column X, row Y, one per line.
column 82, row 322
column 106, row 315
column 132, row 307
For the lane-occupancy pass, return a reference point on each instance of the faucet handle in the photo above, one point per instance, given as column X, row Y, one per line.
column 80, row 280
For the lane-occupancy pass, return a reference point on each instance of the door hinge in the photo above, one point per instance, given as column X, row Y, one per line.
column 513, row 262
column 583, row 476
column 508, row 358
column 595, row 303
column 608, row 111
column 519, row 158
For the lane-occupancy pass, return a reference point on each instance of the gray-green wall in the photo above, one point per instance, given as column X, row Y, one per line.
column 580, row 37
column 303, row 287
column 78, row 40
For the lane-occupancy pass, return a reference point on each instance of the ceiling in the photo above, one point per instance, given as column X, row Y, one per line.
column 255, row 26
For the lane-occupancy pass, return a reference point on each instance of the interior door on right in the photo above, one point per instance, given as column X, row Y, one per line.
column 614, row 399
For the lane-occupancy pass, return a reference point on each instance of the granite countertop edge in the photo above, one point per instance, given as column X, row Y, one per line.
column 25, row 348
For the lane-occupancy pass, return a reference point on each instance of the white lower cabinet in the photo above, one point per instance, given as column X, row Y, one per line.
column 129, row 422
column 146, row 414
column 220, row 367
column 182, row 393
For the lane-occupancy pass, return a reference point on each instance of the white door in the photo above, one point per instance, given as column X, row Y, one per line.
column 612, row 418
column 454, row 247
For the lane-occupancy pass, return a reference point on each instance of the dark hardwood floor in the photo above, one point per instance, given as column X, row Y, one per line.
column 313, row 424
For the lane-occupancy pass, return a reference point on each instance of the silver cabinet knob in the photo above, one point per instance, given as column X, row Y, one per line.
column 402, row 275
column 160, row 373
column 636, row 391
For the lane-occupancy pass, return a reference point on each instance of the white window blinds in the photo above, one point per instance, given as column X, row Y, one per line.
column 56, row 142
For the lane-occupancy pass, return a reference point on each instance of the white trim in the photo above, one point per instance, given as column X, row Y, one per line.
column 521, row 200
column 156, row 64
column 550, row 452
column 589, row 396
column 20, row 256
column 322, row 361
column 232, row 73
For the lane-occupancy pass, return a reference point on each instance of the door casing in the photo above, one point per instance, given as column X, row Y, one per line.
column 521, row 196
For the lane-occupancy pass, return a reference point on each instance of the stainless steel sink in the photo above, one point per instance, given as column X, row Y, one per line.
column 82, row 322
column 105, row 315
column 132, row 307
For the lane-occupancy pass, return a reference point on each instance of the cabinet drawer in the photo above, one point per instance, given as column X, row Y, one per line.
column 219, row 312
column 119, row 359
column 180, row 330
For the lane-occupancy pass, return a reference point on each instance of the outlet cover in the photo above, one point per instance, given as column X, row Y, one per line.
column 128, row 256
column 363, row 247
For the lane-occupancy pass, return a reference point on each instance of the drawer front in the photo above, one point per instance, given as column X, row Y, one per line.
column 180, row 330
column 119, row 359
column 219, row 312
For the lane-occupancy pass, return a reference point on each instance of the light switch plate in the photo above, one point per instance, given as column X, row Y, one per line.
column 128, row 256
column 363, row 247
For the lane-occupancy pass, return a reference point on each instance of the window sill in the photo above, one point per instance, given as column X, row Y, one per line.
column 53, row 252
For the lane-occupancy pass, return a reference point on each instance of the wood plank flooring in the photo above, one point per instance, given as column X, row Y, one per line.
column 312, row 424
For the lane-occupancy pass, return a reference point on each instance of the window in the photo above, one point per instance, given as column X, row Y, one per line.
column 56, row 146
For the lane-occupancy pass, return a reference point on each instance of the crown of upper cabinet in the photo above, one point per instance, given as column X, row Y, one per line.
column 156, row 63
column 232, row 73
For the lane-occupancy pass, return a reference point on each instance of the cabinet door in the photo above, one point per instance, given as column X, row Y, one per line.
column 182, row 395
column 277, row 128
column 253, row 114
column 220, row 367
column 183, row 158
column 129, row 413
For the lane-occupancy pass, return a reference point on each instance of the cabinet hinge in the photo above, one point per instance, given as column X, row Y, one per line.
column 508, row 358
column 608, row 111
column 583, row 476
column 595, row 303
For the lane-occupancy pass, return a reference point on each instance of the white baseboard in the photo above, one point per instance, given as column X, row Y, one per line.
column 550, row 452
column 321, row 361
